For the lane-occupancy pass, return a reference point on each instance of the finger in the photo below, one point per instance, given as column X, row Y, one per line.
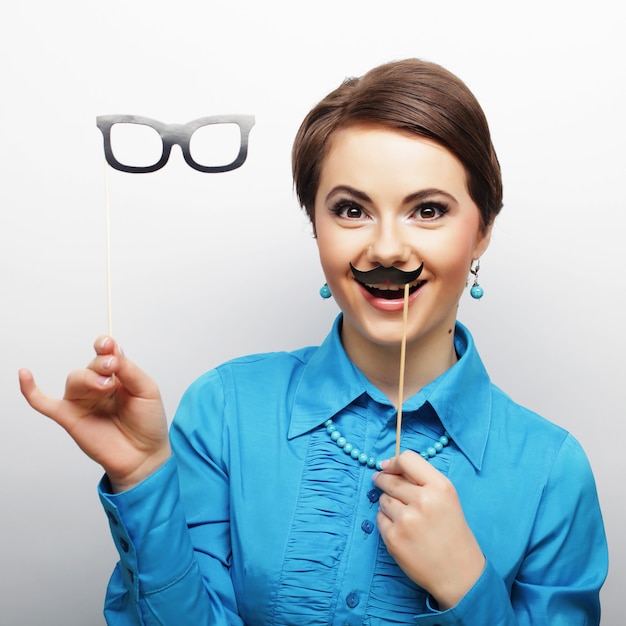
column 390, row 506
column 105, row 345
column 411, row 465
column 110, row 360
column 104, row 364
column 135, row 381
column 384, row 524
column 397, row 486
column 87, row 385
column 107, row 350
column 35, row 397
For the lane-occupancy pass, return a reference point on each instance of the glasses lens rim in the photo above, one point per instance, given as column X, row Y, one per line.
column 176, row 134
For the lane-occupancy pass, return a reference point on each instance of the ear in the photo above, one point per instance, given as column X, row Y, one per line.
column 482, row 241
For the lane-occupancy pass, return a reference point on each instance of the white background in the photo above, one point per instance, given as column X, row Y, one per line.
column 206, row 267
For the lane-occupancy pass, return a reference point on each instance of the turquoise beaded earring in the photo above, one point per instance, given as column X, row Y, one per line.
column 325, row 291
column 476, row 291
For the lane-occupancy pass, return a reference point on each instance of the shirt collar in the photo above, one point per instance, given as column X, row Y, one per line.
column 330, row 382
column 461, row 396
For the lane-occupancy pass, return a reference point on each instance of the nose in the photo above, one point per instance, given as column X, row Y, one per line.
column 388, row 246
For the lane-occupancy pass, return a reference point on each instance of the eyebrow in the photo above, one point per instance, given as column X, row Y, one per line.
column 418, row 196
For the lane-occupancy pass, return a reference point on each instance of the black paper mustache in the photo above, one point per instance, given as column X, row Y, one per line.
column 386, row 274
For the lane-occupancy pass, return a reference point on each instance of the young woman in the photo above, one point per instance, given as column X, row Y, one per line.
column 281, row 500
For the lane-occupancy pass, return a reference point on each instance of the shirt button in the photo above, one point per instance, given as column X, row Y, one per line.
column 124, row 545
column 367, row 526
column 112, row 518
column 373, row 495
column 352, row 599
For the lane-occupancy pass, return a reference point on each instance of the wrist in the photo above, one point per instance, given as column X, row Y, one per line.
column 151, row 464
column 453, row 588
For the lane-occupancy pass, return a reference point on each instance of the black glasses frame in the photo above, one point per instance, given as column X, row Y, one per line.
column 176, row 134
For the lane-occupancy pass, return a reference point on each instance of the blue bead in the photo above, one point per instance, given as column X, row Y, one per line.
column 477, row 292
column 370, row 461
column 325, row 292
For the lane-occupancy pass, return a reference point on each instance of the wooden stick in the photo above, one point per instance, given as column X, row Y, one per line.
column 405, row 315
column 107, row 218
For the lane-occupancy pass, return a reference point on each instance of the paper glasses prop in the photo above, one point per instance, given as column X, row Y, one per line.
column 176, row 134
column 170, row 135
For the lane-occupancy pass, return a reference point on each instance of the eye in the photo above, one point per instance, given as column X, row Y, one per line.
column 347, row 209
column 431, row 211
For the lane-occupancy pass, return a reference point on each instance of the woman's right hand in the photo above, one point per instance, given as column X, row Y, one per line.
column 113, row 411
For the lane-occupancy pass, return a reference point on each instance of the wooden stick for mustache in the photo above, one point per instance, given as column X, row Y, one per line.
column 405, row 315
column 107, row 218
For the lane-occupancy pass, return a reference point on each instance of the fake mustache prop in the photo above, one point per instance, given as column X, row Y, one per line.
column 378, row 276
column 386, row 274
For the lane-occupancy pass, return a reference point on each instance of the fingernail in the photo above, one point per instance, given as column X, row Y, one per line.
column 385, row 464
column 105, row 381
column 107, row 363
column 103, row 342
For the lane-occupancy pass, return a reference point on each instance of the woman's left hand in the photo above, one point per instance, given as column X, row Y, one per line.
column 423, row 526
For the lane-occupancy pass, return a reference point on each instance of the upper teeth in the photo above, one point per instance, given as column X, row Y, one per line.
column 391, row 286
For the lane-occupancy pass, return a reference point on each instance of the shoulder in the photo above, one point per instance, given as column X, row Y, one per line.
column 255, row 371
column 535, row 441
column 517, row 418
column 241, row 389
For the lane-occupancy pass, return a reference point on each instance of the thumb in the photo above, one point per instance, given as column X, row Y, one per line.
column 134, row 380
column 412, row 465
column 34, row 396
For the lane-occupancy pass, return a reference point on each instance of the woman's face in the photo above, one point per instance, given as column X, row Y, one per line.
column 388, row 198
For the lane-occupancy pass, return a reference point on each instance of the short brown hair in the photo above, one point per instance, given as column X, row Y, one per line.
column 411, row 95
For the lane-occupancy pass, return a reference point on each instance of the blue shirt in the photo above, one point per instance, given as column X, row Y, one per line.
column 259, row 518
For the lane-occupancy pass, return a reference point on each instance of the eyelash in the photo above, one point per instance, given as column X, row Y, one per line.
column 439, row 207
column 340, row 207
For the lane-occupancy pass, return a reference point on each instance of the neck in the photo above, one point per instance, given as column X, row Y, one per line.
column 425, row 359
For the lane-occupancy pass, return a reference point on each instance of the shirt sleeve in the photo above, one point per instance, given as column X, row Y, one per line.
column 559, row 580
column 566, row 562
column 173, row 570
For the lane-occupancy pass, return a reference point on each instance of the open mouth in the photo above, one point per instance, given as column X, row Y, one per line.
column 388, row 282
column 389, row 291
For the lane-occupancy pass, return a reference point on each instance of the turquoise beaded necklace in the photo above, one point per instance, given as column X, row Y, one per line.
column 365, row 459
